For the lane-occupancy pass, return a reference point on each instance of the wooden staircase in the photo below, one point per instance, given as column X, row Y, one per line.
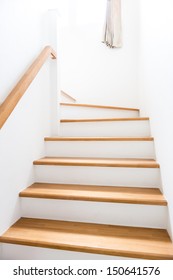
column 97, row 190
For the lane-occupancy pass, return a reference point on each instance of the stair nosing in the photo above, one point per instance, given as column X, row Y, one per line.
column 97, row 162
column 55, row 138
column 104, row 120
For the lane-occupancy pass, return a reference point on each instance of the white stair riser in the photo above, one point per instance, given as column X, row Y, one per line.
column 104, row 176
column 21, row 252
column 108, row 128
column 70, row 112
column 96, row 212
column 108, row 149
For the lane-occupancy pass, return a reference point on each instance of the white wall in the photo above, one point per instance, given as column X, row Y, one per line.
column 90, row 71
column 24, row 31
column 23, row 34
column 156, row 83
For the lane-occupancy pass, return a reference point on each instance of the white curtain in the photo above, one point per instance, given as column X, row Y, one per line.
column 112, row 28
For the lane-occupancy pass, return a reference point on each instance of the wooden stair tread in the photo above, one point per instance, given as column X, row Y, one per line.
column 101, row 162
column 150, row 196
column 133, row 242
column 98, row 138
column 104, row 120
column 98, row 106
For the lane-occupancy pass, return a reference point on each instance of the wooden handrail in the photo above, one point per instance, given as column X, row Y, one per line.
column 15, row 95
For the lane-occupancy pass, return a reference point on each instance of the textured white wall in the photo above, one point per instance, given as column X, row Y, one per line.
column 156, row 83
column 90, row 71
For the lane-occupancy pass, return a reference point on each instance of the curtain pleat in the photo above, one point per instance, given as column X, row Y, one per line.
column 112, row 36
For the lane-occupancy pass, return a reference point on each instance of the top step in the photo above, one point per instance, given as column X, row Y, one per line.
column 98, row 106
column 70, row 110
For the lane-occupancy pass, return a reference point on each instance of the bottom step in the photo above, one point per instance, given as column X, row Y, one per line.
column 131, row 242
